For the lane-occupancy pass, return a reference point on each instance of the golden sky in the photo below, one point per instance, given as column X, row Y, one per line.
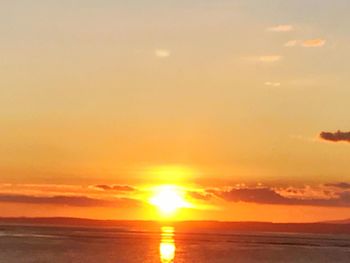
column 242, row 104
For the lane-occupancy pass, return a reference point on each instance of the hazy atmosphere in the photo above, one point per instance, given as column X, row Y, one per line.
column 229, row 110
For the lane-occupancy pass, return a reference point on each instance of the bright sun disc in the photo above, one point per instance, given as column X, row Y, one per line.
column 168, row 199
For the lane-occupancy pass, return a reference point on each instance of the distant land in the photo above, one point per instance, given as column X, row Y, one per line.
column 343, row 221
column 330, row 227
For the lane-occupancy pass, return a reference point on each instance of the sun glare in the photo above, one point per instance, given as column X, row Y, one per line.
column 170, row 174
column 167, row 245
column 168, row 199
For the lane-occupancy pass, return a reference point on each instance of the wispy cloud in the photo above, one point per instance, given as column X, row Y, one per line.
column 271, row 196
column 270, row 58
column 200, row 195
column 263, row 59
column 281, row 28
column 272, row 84
column 318, row 42
column 292, row 43
column 162, row 53
column 120, row 188
column 80, row 201
column 341, row 185
column 309, row 43
column 337, row 136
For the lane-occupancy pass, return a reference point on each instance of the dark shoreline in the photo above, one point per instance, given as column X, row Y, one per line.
column 184, row 226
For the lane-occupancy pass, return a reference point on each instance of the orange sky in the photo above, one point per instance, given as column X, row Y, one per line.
column 238, row 103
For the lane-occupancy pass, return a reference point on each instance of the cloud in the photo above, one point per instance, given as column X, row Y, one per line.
column 272, row 197
column 314, row 42
column 341, row 185
column 162, row 53
column 120, row 188
column 281, row 28
column 272, row 84
column 271, row 58
column 291, row 43
column 310, row 43
column 268, row 59
column 200, row 195
column 255, row 195
column 338, row 136
column 79, row 201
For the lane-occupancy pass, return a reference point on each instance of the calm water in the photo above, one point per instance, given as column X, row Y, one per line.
column 62, row 244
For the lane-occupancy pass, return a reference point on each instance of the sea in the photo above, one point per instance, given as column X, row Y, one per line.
column 62, row 244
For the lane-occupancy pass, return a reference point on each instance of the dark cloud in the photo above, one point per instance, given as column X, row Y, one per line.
column 341, row 185
column 81, row 201
column 270, row 196
column 121, row 188
column 338, row 136
column 199, row 195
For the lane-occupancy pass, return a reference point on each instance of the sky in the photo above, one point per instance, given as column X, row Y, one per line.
column 242, row 105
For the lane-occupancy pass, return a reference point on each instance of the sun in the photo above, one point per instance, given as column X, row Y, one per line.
column 168, row 199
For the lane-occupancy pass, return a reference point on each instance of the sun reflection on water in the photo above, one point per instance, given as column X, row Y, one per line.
column 167, row 245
